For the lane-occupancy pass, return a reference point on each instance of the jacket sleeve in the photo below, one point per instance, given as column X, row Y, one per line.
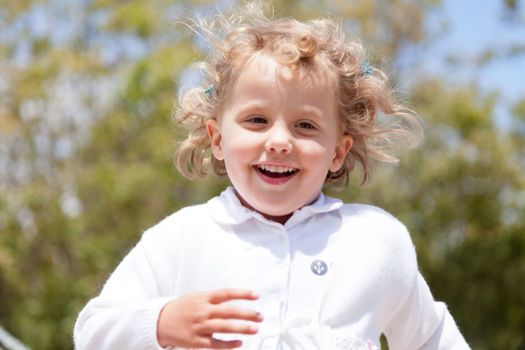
column 124, row 315
column 423, row 324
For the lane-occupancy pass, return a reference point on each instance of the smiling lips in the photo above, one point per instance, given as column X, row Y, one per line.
column 275, row 174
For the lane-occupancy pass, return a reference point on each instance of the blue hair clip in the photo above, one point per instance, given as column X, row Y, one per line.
column 209, row 90
column 365, row 68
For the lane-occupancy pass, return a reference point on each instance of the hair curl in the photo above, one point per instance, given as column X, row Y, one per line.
column 362, row 97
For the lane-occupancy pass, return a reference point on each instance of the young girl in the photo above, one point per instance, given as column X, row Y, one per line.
column 272, row 263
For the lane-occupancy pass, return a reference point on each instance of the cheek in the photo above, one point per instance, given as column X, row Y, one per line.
column 313, row 150
column 242, row 147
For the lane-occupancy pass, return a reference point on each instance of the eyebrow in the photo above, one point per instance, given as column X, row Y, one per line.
column 252, row 106
column 312, row 112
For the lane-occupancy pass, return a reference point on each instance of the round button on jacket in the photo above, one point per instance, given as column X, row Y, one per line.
column 319, row 267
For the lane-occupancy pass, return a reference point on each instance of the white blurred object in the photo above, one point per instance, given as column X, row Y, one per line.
column 8, row 342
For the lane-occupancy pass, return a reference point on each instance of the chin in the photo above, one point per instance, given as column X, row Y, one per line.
column 268, row 205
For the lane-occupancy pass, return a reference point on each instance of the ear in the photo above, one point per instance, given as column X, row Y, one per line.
column 341, row 150
column 214, row 133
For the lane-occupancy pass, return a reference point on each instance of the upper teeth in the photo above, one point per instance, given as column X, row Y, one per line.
column 276, row 169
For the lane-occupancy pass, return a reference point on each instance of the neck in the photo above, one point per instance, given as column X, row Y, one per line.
column 277, row 218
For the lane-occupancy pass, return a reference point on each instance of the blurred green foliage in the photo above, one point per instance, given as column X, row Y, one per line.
column 85, row 161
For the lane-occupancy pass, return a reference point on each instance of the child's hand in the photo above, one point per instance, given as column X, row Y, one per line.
column 191, row 320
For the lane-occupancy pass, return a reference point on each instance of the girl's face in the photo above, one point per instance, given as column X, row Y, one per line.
column 278, row 136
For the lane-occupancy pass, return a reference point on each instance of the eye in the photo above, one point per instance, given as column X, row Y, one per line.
column 305, row 125
column 256, row 119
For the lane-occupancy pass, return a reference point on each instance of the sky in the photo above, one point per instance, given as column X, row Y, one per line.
column 472, row 27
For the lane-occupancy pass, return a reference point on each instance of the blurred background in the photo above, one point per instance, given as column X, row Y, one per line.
column 86, row 92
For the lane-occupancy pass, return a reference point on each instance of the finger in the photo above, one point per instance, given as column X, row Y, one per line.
column 212, row 343
column 223, row 326
column 223, row 295
column 231, row 312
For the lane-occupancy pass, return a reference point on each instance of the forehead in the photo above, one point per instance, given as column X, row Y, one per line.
column 262, row 76
column 311, row 74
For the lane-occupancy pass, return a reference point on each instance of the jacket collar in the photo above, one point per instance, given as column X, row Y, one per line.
column 227, row 209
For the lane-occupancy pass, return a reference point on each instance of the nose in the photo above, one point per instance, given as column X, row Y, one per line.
column 279, row 139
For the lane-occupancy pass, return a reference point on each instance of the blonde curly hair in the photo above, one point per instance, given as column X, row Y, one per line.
column 363, row 93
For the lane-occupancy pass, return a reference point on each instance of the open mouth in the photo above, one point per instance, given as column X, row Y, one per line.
column 276, row 172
